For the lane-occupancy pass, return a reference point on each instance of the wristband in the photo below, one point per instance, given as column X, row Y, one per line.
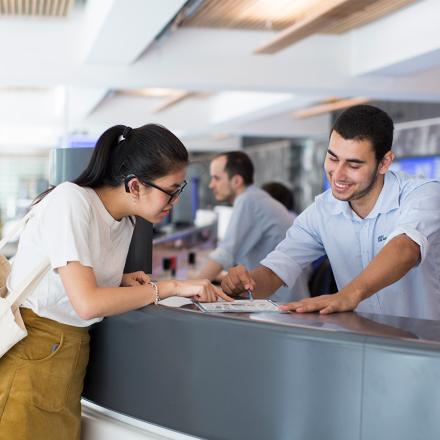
column 156, row 292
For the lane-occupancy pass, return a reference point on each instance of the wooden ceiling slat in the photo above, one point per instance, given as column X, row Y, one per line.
column 368, row 15
column 230, row 13
column 52, row 7
column 47, row 7
column 246, row 14
column 242, row 14
column 315, row 20
column 62, row 12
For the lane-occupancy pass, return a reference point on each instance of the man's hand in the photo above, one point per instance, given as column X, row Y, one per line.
column 238, row 280
column 324, row 304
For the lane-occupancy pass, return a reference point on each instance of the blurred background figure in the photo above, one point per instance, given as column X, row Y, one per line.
column 258, row 222
column 282, row 193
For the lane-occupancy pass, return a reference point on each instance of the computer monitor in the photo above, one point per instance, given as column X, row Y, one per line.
column 423, row 166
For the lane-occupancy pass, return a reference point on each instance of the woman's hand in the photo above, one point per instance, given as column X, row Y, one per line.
column 200, row 290
column 135, row 279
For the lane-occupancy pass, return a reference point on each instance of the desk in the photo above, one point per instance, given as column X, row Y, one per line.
column 270, row 376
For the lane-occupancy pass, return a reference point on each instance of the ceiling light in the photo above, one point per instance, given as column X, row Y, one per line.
column 330, row 106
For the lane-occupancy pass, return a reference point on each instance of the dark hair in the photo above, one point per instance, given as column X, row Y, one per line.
column 239, row 163
column 148, row 152
column 365, row 122
column 281, row 193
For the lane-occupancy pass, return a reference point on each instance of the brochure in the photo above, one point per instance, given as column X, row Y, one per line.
column 239, row 306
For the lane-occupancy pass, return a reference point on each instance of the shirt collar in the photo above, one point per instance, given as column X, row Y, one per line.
column 249, row 188
column 387, row 201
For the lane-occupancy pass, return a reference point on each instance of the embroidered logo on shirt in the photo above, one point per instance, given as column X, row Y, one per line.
column 381, row 238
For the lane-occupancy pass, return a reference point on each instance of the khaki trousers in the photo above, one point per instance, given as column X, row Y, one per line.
column 41, row 381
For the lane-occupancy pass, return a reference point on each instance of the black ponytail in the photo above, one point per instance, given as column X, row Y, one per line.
column 99, row 168
column 149, row 152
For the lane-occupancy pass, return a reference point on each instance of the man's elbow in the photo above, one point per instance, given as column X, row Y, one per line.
column 409, row 251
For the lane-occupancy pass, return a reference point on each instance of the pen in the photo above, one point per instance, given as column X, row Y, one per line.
column 251, row 297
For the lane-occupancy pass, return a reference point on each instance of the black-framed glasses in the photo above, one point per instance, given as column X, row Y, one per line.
column 172, row 195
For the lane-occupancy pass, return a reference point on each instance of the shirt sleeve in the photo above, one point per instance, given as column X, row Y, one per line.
column 241, row 234
column 420, row 216
column 301, row 246
column 64, row 227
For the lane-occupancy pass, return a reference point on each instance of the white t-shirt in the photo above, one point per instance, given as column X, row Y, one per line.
column 70, row 224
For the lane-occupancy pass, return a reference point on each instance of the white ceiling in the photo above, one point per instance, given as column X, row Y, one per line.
column 59, row 76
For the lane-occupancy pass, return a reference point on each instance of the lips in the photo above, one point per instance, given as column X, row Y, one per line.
column 341, row 187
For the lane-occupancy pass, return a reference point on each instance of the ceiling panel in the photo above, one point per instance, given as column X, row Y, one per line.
column 36, row 8
column 280, row 14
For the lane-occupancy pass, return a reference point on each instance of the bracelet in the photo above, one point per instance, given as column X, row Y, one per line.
column 156, row 292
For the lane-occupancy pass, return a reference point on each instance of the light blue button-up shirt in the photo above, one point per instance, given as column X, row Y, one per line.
column 406, row 205
column 258, row 223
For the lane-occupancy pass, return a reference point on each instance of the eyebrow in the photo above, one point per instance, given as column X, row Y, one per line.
column 176, row 185
column 347, row 160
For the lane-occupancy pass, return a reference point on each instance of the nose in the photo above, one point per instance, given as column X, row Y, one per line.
column 175, row 200
column 211, row 184
column 338, row 172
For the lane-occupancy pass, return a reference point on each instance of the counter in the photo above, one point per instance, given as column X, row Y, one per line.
column 269, row 376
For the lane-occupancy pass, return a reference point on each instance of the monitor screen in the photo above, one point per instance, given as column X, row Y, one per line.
column 421, row 166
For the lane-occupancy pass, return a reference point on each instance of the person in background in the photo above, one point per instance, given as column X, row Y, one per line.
column 379, row 228
column 258, row 222
column 85, row 228
column 282, row 193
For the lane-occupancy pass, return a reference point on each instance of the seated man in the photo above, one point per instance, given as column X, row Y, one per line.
column 379, row 228
column 280, row 192
column 258, row 222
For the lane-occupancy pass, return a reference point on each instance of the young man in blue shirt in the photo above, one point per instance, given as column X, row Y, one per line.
column 379, row 228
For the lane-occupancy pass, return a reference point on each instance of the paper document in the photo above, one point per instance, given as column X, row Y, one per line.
column 239, row 306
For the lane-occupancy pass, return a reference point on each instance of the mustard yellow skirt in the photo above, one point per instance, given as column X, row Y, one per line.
column 41, row 381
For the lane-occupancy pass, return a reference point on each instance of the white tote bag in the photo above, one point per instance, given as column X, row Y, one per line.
column 12, row 328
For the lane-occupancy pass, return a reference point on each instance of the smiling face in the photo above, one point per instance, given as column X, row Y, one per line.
column 153, row 204
column 353, row 171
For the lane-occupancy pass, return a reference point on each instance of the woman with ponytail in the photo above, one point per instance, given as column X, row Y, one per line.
column 85, row 228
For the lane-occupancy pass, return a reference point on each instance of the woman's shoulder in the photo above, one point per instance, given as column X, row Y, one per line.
column 69, row 189
column 67, row 195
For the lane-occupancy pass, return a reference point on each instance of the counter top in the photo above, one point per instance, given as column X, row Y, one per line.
column 269, row 375
column 180, row 233
column 362, row 324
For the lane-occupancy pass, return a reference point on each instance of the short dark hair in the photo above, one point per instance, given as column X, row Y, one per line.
column 281, row 193
column 239, row 163
column 366, row 122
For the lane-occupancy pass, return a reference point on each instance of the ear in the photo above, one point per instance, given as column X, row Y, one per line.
column 135, row 187
column 237, row 181
column 386, row 162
